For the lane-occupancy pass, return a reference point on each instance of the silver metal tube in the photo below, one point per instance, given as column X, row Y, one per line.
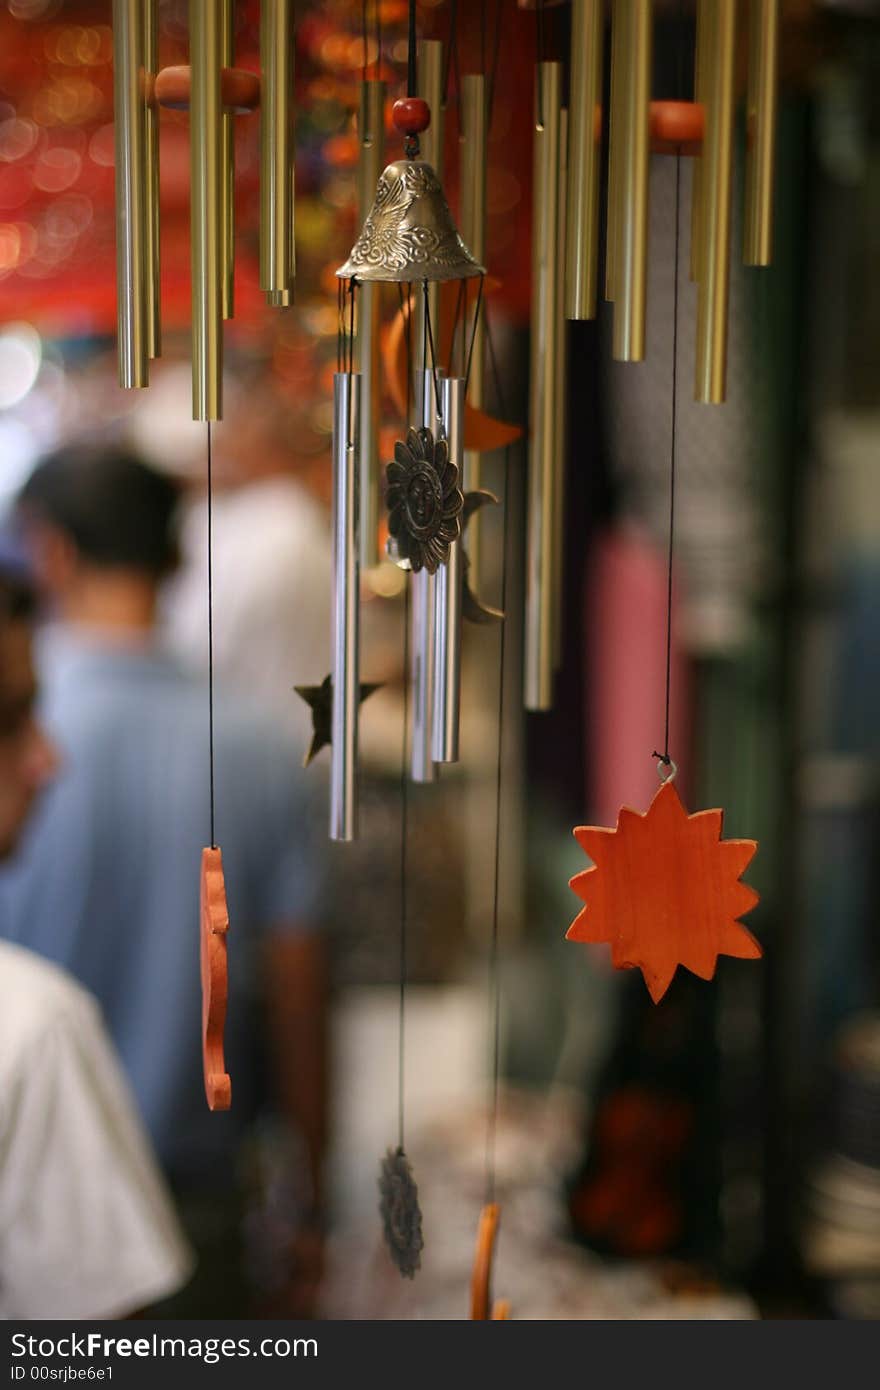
column 422, row 634
column 447, row 601
column 346, row 578
column 371, row 135
column 131, row 192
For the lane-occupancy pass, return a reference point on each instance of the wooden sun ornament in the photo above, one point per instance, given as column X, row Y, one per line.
column 665, row 891
column 215, row 983
column 482, row 1307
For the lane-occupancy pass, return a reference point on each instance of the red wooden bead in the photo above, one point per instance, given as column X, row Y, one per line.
column 411, row 115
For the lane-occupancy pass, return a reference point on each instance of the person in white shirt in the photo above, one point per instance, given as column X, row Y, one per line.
column 87, row 1229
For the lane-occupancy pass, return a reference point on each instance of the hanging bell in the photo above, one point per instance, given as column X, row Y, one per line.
column 409, row 233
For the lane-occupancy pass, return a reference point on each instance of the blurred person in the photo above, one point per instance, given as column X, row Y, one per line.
column 271, row 549
column 108, row 879
column 87, row 1229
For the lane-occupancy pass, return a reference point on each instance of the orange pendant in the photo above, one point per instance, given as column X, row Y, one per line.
column 665, row 891
column 482, row 1307
column 215, row 983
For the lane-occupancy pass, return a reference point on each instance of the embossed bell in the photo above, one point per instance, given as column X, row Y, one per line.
column 409, row 233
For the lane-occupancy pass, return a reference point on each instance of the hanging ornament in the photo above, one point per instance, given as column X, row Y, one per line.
column 400, row 1212
column 424, row 502
column 471, row 608
column 482, row 1307
column 664, row 891
column 214, row 917
column 319, row 698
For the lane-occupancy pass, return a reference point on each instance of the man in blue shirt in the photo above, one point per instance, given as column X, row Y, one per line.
column 107, row 882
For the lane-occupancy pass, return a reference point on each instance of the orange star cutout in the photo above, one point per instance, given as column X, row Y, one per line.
column 665, row 891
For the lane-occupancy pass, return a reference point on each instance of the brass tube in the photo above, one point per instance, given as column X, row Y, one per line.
column 227, row 136
column 371, row 136
column 276, row 146
column 584, row 158
column 474, row 163
column 130, row 122
column 704, row 28
column 560, row 406
column 714, row 280
column 633, row 159
column 539, row 634
column 619, row 16
column 206, row 216
column 151, row 215
column 761, row 103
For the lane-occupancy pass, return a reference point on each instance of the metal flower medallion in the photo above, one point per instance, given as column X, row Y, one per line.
column 424, row 501
column 400, row 1212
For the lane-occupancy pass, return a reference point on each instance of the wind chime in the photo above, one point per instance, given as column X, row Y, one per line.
column 407, row 239
column 214, row 92
column 664, row 888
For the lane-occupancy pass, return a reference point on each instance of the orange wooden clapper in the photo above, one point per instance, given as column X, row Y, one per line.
column 214, row 916
column 482, row 1308
column 665, row 891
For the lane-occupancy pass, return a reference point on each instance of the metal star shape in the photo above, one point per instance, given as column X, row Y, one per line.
column 319, row 698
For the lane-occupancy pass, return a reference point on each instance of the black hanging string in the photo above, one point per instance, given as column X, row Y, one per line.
column 470, row 356
column 460, row 303
column 451, row 46
column 496, row 50
column 494, row 983
column 411, row 86
column 364, row 32
column 428, row 341
column 211, row 637
column 404, row 828
column 665, row 757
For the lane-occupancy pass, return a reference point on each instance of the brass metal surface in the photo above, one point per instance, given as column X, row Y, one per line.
column 129, row 102
column 714, row 271
column 632, row 167
column 206, row 209
column 584, row 158
column 409, row 234
column 546, row 268
column 371, row 157
column 761, row 104
column 277, row 254
column 151, row 211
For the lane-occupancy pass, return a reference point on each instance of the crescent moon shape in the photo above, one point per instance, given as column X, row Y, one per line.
column 471, row 608
column 482, row 432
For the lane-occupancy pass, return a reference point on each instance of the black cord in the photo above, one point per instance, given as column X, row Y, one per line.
column 364, row 28
column 494, row 983
column 211, row 639
column 496, row 49
column 666, row 759
column 470, row 356
column 429, row 341
column 404, row 830
column 411, row 86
